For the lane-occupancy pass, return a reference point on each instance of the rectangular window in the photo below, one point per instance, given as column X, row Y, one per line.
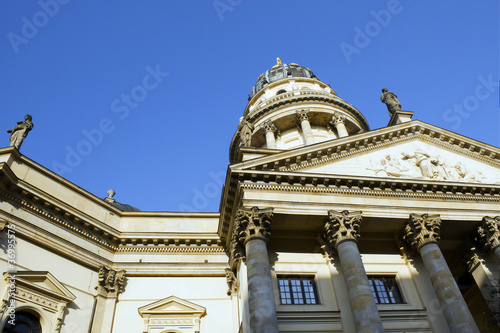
column 297, row 290
column 385, row 290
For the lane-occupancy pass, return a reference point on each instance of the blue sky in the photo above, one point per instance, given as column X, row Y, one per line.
column 74, row 65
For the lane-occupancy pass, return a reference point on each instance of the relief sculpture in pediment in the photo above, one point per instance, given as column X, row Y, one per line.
column 420, row 164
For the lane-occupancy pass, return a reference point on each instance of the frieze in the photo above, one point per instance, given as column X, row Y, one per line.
column 178, row 321
column 31, row 297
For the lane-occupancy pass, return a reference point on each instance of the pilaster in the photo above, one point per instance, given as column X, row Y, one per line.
column 109, row 287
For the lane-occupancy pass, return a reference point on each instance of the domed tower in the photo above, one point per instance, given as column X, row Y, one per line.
column 290, row 107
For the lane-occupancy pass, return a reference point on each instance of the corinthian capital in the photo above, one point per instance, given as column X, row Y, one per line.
column 337, row 118
column 341, row 226
column 110, row 282
column 268, row 126
column 422, row 229
column 253, row 223
column 489, row 233
column 303, row 115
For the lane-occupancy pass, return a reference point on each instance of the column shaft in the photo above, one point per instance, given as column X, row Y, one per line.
column 363, row 307
column 270, row 140
column 341, row 130
column 263, row 317
column 306, row 129
column 455, row 309
column 496, row 252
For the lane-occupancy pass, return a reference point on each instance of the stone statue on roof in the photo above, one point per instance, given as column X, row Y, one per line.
column 20, row 131
column 391, row 100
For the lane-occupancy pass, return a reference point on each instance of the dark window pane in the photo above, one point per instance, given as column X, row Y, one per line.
column 385, row 290
column 297, row 290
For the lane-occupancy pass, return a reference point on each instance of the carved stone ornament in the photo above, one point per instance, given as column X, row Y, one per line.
column 489, row 233
column 253, row 223
column 236, row 250
column 231, row 281
column 473, row 258
column 421, row 230
column 341, row 226
column 337, row 118
column 110, row 282
column 303, row 115
column 245, row 130
column 268, row 126
column 420, row 164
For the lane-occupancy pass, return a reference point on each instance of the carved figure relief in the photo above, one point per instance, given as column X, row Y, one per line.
column 110, row 281
column 420, row 164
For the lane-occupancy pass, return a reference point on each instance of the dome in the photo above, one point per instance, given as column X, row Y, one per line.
column 280, row 71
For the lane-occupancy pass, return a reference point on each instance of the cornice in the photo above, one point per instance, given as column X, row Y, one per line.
column 59, row 179
column 327, row 151
column 77, row 224
column 171, row 249
column 300, row 96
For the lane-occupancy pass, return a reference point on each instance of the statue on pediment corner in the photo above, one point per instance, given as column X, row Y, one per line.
column 20, row 131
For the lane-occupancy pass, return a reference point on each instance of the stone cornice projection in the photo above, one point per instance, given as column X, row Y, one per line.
column 489, row 233
column 340, row 227
column 110, row 282
column 332, row 150
column 421, row 230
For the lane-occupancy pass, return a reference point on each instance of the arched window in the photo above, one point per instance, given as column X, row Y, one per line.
column 24, row 322
column 282, row 91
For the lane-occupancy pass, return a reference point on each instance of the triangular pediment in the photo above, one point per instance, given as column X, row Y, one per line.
column 44, row 283
column 413, row 159
column 412, row 150
column 172, row 305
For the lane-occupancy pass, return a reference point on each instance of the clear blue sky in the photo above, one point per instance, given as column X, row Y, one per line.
column 71, row 64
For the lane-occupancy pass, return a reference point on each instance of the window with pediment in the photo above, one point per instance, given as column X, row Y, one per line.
column 172, row 315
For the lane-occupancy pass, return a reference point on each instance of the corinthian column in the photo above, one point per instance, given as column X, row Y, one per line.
column 303, row 119
column 489, row 235
column 253, row 229
column 341, row 232
column 422, row 233
column 269, row 128
column 338, row 120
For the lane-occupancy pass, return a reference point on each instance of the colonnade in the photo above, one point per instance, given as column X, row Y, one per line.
column 303, row 119
column 340, row 233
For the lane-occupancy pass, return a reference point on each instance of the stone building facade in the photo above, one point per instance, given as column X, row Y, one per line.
column 324, row 226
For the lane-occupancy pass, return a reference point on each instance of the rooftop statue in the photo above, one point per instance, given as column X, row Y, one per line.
column 20, row 131
column 391, row 100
